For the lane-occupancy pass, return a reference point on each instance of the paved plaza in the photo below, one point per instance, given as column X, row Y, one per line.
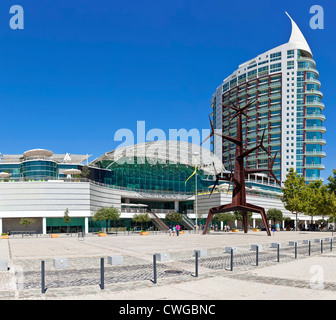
column 301, row 274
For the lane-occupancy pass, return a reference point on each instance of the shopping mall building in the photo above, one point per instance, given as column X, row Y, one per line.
column 150, row 177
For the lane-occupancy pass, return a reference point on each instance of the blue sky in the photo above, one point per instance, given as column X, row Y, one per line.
column 81, row 70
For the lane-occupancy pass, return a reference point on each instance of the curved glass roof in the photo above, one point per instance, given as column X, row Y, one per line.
column 173, row 152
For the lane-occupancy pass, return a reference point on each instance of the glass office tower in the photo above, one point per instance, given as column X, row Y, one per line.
column 284, row 84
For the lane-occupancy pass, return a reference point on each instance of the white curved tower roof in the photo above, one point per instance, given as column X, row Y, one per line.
column 297, row 39
column 167, row 151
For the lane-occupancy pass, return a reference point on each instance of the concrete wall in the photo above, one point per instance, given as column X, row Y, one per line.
column 50, row 199
column 103, row 197
column 44, row 199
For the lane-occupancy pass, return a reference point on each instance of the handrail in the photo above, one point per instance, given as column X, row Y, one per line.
column 55, row 179
column 159, row 221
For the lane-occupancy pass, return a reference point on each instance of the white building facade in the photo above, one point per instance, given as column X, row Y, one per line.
column 284, row 84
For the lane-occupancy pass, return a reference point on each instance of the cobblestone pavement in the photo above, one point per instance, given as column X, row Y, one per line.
column 91, row 276
column 82, row 277
column 86, row 271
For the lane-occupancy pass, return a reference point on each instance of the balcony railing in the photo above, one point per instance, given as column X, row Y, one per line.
column 309, row 69
column 315, row 104
column 316, row 128
column 315, row 166
column 312, row 80
column 276, row 118
column 315, row 116
column 275, row 84
column 321, row 154
column 315, row 141
column 314, row 92
column 313, row 178
column 307, row 59
column 161, row 193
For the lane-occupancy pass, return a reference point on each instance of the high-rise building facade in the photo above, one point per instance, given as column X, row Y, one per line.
column 284, row 84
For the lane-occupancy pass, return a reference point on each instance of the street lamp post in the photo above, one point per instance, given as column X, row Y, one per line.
column 196, row 199
column 195, row 209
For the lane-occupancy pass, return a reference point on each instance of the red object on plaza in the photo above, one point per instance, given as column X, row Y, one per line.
column 237, row 177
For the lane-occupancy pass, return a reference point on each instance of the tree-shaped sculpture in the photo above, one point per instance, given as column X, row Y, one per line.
column 237, row 177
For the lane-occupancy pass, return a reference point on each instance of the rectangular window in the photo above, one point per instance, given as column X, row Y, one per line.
column 263, row 62
column 252, row 73
column 226, row 87
column 290, row 54
column 263, row 69
column 252, row 66
column 242, row 78
column 290, row 64
column 275, row 56
column 275, row 67
column 233, row 83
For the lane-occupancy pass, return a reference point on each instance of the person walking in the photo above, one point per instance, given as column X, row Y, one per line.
column 177, row 229
column 174, row 230
column 170, row 230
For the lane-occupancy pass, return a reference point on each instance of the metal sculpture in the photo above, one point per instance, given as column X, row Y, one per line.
column 237, row 177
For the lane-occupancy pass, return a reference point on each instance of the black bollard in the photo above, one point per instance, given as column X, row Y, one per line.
column 154, row 268
column 257, row 256
column 278, row 252
column 102, row 273
column 196, row 264
column 43, row 289
column 231, row 260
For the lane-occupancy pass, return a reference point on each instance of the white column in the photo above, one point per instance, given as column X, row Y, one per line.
column 253, row 222
column 222, row 225
column 44, row 225
column 283, row 224
column 86, row 225
column 0, row 225
column 176, row 205
column 236, row 223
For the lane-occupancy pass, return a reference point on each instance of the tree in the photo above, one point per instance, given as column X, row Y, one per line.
column 173, row 217
column 239, row 216
column 332, row 182
column 274, row 215
column 225, row 217
column 106, row 213
column 85, row 172
column 293, row 192
column 141, row 218
column 312, row 199
column 26, row 222
column 326, row 203
column 332, row 201
column 66, row 218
